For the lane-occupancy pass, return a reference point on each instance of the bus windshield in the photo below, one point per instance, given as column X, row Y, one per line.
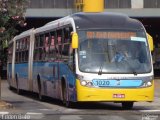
column 108, row 51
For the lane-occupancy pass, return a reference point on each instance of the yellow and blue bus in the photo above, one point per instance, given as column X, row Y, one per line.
column 84, row 57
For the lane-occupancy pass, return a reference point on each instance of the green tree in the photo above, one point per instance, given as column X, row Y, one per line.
column 11, row 15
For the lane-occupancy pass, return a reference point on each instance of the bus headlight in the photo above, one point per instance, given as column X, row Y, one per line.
column 147, row 84
column 90, row 84
column 83, row 82
column 86, row 83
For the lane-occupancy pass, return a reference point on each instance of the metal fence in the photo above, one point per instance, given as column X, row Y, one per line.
column 151, row 3
column 107, row 3
column 51, row 4
column 117, row 4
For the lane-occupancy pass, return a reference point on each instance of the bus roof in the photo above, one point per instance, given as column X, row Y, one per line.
column 105, row 20
column 24, row 34
column 55, row 24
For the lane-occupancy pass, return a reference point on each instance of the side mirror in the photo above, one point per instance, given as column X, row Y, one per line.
column 150, row 41
column 74, row 40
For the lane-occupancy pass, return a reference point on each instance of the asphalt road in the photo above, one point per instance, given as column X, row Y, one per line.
column 27, row 106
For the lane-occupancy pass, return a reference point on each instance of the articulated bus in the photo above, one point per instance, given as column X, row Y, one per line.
column 84, row 57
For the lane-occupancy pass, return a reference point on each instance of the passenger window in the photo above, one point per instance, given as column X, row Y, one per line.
column 66, row 43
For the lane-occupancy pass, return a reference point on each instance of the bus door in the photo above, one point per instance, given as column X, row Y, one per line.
column 61, row 70
column 52, row 57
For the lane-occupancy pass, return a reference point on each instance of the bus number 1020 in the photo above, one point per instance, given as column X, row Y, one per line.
column 102, row 83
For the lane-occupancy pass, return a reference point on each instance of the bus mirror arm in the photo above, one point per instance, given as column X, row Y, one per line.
column 150, row 42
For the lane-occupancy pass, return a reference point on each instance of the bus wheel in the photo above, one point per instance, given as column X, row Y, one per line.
column 19, row 92
column 127, row 105
column 11, row 88
column 40, row 97
column 66, row 97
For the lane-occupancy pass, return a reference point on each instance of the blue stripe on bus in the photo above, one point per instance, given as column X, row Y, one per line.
column 21, row 70
column 45, row 69
column 117, row 83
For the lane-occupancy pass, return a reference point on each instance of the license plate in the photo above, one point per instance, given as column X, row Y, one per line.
column 118, row 95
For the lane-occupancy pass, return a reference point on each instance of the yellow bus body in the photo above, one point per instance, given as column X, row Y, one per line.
column 106, row 94
column 150, row 41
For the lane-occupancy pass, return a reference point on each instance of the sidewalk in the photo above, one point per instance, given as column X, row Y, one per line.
column 5, row 105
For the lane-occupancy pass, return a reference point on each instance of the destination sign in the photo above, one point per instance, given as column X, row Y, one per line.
column 109, row 35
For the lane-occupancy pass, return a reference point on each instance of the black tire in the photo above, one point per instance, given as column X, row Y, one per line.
column 65, row 94
column 10, row 88
column 18, row 90
column 40, row 96
column 127, row 105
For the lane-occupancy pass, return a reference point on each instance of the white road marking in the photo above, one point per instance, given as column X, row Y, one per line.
column 71, row 110
column 149, row 110
column 32, row 113
column 70, row 117
column 45, row 109
column 2, row 113
column 111, row 117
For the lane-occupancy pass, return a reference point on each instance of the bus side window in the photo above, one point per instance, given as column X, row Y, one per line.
column 17, row 44
column 41, row 40
column 59, row 43
column 66, row 43
column 23, row 50
column 27, row 48
column 18, row 52
column 36, row 53
column 46, row 46
column 52, row 49
column 41, row 48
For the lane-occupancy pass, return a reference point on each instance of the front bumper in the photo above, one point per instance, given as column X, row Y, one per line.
column 85, row 94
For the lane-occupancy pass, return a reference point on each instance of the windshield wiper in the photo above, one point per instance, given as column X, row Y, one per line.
column 100, row 69
column 133, row 70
